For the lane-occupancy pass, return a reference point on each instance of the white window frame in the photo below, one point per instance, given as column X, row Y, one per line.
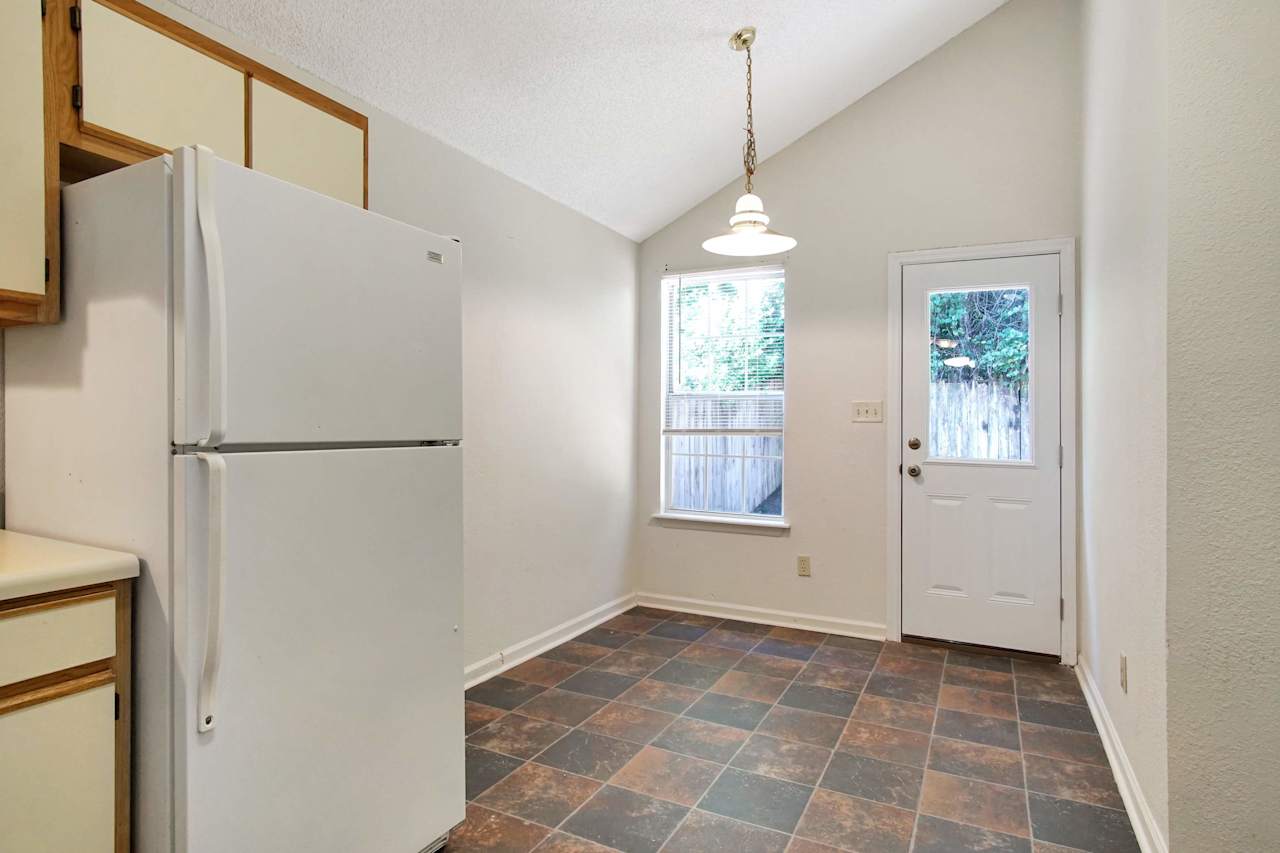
column 686, row 517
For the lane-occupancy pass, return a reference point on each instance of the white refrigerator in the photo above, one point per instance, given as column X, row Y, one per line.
column 257, row 390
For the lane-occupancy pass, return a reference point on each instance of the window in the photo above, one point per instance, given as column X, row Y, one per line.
column 723, row 354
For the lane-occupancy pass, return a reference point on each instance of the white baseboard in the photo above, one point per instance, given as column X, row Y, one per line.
column 511, row 656
column 766, row 616
column 1135, row 802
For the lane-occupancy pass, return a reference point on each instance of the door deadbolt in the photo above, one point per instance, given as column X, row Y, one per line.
column 913, row 470
column 913, row 443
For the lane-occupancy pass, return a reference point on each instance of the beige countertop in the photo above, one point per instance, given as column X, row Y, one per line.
column 31, row 565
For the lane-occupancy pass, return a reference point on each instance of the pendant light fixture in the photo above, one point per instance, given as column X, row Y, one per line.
column 749, row 234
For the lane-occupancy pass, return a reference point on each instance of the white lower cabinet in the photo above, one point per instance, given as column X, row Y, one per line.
column 57, row 790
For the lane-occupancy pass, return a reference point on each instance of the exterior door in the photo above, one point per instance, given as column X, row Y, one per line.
column 981, row 480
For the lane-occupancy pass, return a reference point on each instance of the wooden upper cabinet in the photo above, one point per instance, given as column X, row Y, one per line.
column 306, row 144
column 22, row 189
column 141, row 84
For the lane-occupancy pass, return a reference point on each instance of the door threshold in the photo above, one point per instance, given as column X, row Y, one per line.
column 974, row 649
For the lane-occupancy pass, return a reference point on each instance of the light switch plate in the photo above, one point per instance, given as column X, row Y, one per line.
column 868, row 411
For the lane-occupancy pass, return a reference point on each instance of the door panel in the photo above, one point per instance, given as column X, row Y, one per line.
column 339, row 690
column 148, row 86
column 980, row 521
column 22, row 248
column 307, row 146
column 341, row 325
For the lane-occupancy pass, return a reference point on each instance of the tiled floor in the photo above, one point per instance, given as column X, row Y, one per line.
column 675, row 732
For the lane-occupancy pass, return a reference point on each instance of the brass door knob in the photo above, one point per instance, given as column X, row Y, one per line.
column 913, row 443
column 913, row 470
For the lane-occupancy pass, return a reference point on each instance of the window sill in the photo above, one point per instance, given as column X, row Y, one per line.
column 724, row 523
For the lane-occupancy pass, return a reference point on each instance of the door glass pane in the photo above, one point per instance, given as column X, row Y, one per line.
column 688, row 488
column 724, row 484
column 979, row 374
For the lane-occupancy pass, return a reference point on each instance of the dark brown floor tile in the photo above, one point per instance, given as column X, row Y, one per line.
column 847, row 658
column 561, row 706
column 783, row 759
column 803, row 726
column 729, row 639
column 1049, row 690
column 803, row 845
column 761, row 800
column 768, row 665
column 991, row 731
column 872, row 779
column 708, row 655
column 488, row 831
column 699, row 619
column 506, row 693
column 701, row 739
column 1045, row 670
column 915, row 650
column 541, row 794
column 656, row 646
column 582, row 654
column 935, row 835
column 687, row 673
column 652, row 612
column 824, row 700
column 835, row 677
column 632, row 623
column 785, row 649
column 606, row 637
column 858, row 643
column 1058, row 714
column 1081, row 825
column 747, row 685
column 887, row 744
column 559, row 842
column 485, row 769
column 1066, row 780
column 798, row 635
column 628, row 722
column 853, row 824
column 757, row 628
column 977, row 803
column 542, row 671
column 902, row 689
column 979, row 679
column 995, row 663
column 518, row 735
column 890, row 712
column 660, row 696
column 977, row 761
column 629, row 663
column 925, row 670
column 625, row 820
column 588, row 754
column 667, row 775
column 1068, row 745
column 728, row 711
column 478, row 716
column 597, row 682
column 972, row 701
column 703, row 832
column 678, row 631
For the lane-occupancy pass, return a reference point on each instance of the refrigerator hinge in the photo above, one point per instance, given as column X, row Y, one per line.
column 74, row 12
column 77, row 97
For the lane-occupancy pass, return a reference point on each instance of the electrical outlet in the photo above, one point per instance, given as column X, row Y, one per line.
column 803, row 568
column 868, row 411
column 1124, row 673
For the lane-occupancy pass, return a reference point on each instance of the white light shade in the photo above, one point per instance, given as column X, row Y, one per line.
column 749, row 235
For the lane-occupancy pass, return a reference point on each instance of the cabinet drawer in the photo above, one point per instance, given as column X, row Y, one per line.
column 54, row 635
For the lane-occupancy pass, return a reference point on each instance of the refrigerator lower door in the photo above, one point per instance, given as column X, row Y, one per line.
column 330, row 612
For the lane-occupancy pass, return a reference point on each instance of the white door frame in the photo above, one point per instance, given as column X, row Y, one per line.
column 1065, row 249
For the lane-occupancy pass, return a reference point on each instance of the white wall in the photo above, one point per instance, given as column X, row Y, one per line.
column 1123, row 248
column 1224, row 425
column 977, row 143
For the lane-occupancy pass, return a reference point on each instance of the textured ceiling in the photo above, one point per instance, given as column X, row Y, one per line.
column 629, row 111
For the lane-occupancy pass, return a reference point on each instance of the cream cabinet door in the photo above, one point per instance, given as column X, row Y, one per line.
column 145, row 85
column 57, row 774
column 21, row 148
column 303, row 145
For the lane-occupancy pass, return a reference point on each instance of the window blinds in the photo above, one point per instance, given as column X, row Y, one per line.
column 723, row 352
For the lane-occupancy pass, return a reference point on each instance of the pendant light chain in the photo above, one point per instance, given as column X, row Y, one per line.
column 749, row 149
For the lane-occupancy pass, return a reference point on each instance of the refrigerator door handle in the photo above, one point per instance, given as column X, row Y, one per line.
column 206, row 697
column 217, row 289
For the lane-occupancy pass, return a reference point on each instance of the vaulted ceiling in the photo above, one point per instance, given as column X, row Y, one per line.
column 629, row 111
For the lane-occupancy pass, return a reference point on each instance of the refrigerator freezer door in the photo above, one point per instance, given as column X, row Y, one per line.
column 329, row 323
column 338, row 688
